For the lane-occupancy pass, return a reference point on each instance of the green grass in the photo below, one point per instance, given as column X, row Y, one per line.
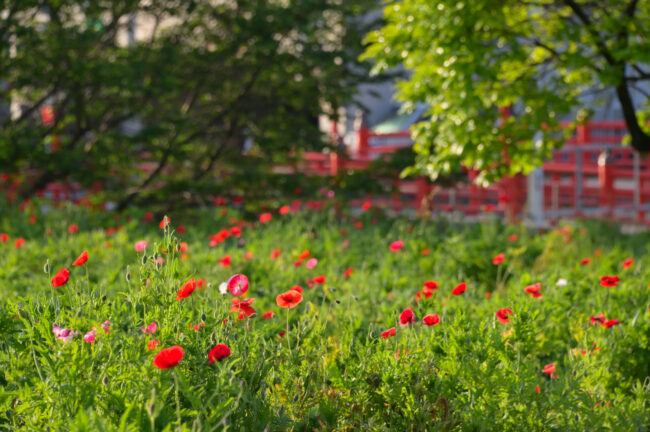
column 332, row 370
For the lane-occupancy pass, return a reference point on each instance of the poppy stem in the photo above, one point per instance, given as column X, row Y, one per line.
column 178, row 400
column 287, row 332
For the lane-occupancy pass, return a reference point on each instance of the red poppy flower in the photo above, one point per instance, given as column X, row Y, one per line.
column 4, row 237
column 285, row 209
column 289, row 299
column 611, row 323
column 268, row 315
column 238, row 284
column 388, row 333
column 502, row 315
column 513, row 238
column 281, row 334
column 396, row 245
column 243, row 306
column 319, row 279
column 498, row 259
column 218, row 353
column 225, row 261
column 265, row 217
column 275, row 253
column 358, row 225
column 186, row 290
column 164, row 222
column 61, row 278
column 237, row 200
column 152, row 344
column 248, row 256
column 297, row 263
column 181, row 229
column 235, row 231
column 534, row 290
column 585, row 261
column 459, row 289
column 549, row 369
column 82, row 259
column 600, row 319
column 407, row 317
column 431, row 319
column 489, row 207
column 628, row 263
column 366, row 206
column 200, row 283
column 430, row 286
column 19, row 242
column 32, row 219
column 609, row 281
column 537, row 390
column 297, row 288
column 424, row 252
column 303, row 255
column 73, row 229
column 348, row 272
column 168, row 357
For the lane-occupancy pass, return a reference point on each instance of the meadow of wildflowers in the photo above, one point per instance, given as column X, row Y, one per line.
column 309, row 319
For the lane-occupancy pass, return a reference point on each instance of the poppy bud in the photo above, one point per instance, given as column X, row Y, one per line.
column 46, row 267
column 144, row 259
column 103, row 298
column 338, row 301
column 128, row 274
column 105, row 380
column 355, row 298
column 203, row 317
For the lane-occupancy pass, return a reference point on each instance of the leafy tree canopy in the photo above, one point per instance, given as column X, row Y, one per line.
column 172, row 105
column 540, row 57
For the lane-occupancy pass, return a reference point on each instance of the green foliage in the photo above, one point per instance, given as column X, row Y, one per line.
column 467, row 59
column 201, row 79
column 332, row 370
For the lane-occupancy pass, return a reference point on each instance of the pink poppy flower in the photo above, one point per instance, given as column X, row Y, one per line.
column 150, row 329
column 396, row 245
column 311, row 263
column 90, row 337
column 140, row 246
column 238, row 284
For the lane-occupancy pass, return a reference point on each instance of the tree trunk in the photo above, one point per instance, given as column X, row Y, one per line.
column 640, row 139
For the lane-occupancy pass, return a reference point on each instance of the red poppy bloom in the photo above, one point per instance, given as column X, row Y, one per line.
column 534, row 290
column 628, row 263
column 297, row 288
column 168, row 357
column 281, row 334
column 459, row 289
column 396, row 245
column 549, row 369
column 243, row 306
column 537, row 390
column 498, row 259
column 430, row 286
column 73, row 229
column 225, row 261
column 238, row 284
column 4, row 237
column 82, row 259
column 237, row 200
column 61, row 278
column 19, row 242
column 600, row 319
column 164, row 222
column 513, row 238
column 489, row 207
column 248, row 255
column 200, row 283
column 181, row 229
column 289, row 299
column 502, row 315
column 265, row 217
column 303, row 255
column 297, row 263
column 358, row 225
column 431, row 319
column 218, row 353
column 275, row 253
column 235, row 231
column 424, row 252
column 388, row 333
column 284, row 210
column 609, row 281
column 366, row 206
column 348, row 272
column 268, row 315
column 611, row 323
column 152, row 344
column 319, row 279
column 585, row 261
column 186, row 290
column 407, row 317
